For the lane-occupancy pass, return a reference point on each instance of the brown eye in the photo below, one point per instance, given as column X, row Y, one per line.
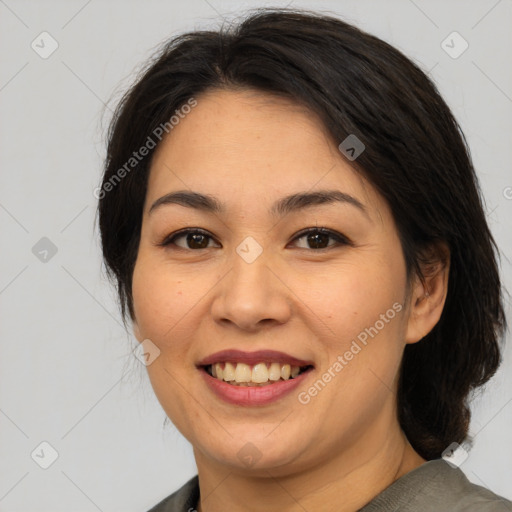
column 194, row 239
column 318, row 238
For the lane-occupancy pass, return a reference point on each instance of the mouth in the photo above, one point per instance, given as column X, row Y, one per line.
column 263, row 367
column 260, row 374
column 246, row 373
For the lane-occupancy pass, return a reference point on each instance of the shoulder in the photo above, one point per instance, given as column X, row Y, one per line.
column 437, row 486
column 183, row 500
column 461, row 494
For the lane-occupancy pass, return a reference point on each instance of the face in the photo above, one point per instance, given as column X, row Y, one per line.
column 258, row 280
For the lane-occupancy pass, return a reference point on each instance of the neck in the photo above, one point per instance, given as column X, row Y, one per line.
column 341, row 483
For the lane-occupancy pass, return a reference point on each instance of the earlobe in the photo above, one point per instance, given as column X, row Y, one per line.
column 427, row 300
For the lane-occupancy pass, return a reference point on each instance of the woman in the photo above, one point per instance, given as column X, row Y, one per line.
column 294, row 226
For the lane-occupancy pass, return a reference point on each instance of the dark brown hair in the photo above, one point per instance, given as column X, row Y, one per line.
column 416, row 157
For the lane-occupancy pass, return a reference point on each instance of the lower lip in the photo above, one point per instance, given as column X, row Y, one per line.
column 252, row 395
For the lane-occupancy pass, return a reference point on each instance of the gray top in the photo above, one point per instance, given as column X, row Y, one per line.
column 435, row 486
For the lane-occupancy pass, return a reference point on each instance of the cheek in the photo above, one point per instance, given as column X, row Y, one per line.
column 362, row 307
column 158, row 300
column 353, row 297
column 159, row 305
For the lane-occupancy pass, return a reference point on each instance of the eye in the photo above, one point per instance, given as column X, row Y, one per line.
column 318, row 238
column 194, row 239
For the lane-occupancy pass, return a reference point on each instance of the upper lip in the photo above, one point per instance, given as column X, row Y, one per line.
column 252, row 358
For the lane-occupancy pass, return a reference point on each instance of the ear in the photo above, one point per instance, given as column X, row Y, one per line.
column 428, row 293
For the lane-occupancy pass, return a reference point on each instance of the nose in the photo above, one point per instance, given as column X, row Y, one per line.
column 252, row 295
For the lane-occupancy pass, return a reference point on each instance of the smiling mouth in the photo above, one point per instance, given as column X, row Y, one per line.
column 260, row 374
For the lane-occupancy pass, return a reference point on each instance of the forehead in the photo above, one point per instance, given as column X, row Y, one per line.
column 246, row 146
column 245, row 123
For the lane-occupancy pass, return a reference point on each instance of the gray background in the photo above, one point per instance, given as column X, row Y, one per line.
column 67, row 373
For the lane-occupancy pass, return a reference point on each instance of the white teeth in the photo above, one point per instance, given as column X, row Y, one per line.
column 243, row 373
column 274, row 372
column 229, row 372
column 261, row 374
column 217, row 371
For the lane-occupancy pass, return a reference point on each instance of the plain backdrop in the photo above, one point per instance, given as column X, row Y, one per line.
column 67, row 373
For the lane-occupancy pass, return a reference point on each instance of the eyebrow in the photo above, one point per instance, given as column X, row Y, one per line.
column 280, row 208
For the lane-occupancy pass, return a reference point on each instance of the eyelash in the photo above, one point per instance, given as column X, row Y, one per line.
column 338, row 237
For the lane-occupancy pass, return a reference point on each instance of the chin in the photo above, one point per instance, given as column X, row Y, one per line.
column 252, row 452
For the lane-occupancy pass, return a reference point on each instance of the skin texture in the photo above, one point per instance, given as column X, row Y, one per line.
column 337, row 452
